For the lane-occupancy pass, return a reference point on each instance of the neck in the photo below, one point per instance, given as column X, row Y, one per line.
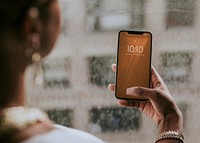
column 11, row 88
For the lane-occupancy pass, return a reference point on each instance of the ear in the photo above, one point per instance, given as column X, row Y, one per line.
column 32, row 23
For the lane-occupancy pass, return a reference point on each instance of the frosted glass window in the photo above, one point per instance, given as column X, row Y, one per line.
column 183, row 106
column 115, row 119
column 63, row 117
column 56, row 73
column 180, row 13
column 64, row 16
column 106, row 15
column 176, row 67
column 100, row 72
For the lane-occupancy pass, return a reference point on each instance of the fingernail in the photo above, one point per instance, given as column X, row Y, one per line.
column 130, row 91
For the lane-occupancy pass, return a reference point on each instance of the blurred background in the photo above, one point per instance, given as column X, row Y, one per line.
column 75, row 76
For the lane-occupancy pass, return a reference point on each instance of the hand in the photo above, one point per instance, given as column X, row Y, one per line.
column 160, row 107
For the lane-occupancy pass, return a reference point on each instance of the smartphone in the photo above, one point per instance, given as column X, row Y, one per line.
column 133, row 62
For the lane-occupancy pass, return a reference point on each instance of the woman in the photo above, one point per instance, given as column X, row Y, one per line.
column 29, row 29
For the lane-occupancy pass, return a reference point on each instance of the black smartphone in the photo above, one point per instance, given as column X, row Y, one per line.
column 133, row 62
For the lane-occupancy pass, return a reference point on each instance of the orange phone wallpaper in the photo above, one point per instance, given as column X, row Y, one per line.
column 133, row 63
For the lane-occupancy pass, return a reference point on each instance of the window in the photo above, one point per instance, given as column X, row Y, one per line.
column 183, row 107
column 63, row 117
column 56, row 73
column 100, row 72
column 64, row 17
column 78, row 70
column 180, row 13
column 106, row 15
column 115, row 119
column 176, row 67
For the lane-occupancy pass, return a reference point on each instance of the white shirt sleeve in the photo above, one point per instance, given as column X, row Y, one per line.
column 63, row 134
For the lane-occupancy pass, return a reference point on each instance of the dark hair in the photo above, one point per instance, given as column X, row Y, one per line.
column 12, row 17
column 13, row 12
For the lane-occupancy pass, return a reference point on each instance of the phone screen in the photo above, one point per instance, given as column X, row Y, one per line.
column 133, row 62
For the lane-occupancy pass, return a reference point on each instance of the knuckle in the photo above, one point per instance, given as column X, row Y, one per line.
column 139, row 91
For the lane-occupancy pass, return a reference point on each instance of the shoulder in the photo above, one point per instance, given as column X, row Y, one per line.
column 63, row 134
column 78, row 135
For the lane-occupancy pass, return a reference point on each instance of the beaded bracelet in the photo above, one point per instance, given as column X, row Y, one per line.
column 170, row 135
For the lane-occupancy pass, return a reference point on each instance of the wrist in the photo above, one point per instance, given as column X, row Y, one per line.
column 170, row 129
column 171, row 122
column 168, row 136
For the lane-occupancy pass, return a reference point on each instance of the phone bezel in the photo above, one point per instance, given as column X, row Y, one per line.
column 138, row 33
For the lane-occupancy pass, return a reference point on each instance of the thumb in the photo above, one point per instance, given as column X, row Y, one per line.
column 156, row 96
column 142, row 91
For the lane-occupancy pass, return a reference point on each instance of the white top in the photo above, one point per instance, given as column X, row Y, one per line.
column 63, row 134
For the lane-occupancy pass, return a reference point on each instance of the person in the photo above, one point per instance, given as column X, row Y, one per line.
column 29, row 29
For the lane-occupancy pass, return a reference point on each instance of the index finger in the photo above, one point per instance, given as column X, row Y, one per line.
column 114, row 67
column 156, row 80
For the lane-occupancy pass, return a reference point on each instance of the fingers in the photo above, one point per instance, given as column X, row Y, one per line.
column 129, row 103
column 152, row 94
column 137, row 91
column 114, row 67
column 124, row 102
column 156, row 80
column 141, row 91
column 111, row 87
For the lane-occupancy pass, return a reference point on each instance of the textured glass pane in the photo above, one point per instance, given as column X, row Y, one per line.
column 62, row 117
column 115, row 119
column 180, row 13
column 64, row 13
column 106, row 15
column 56, row 73
column 99, row 70
column 184, row 107
column 176, row 67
